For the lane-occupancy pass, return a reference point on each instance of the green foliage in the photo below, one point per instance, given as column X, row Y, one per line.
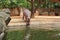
column 44, row 35
column 25, row 3
column 46, row 4
column 35, row 35
column 14, row 35
column 14, row 3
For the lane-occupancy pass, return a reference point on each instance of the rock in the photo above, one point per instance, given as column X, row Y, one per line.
column 2, row 27
column 1, row 35
column 6, row 17
column 58, row 34
column 4, row 20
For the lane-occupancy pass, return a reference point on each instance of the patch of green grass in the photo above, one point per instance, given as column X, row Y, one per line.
column 35, row 35
column 15, row 35
column 44, row 35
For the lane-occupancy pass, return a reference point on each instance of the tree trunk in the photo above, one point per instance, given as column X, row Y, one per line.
column 32, row 8
column 55, row 0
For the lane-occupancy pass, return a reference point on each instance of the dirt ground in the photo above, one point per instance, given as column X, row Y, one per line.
column 39, row 22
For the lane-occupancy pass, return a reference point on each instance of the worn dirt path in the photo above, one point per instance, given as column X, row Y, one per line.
column 39, row 22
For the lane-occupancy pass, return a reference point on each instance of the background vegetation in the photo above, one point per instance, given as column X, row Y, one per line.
column 30, row 4
column 27, row 3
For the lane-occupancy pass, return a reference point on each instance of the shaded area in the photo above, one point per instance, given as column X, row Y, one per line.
column 14, row 35
column 35, row 35
column 44, row 35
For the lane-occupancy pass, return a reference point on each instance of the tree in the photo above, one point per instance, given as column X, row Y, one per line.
column 12, row 4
